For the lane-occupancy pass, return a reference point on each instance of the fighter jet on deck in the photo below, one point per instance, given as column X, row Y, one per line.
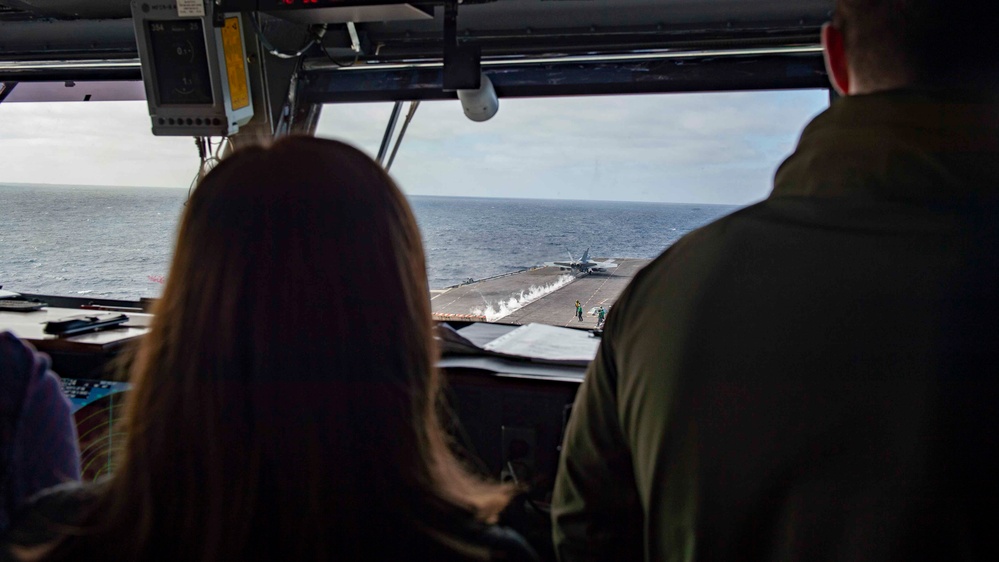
column 583, row 264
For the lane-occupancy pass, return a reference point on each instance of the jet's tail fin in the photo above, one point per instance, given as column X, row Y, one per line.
column 586, row 256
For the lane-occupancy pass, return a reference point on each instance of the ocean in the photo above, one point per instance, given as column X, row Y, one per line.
column 114, row 242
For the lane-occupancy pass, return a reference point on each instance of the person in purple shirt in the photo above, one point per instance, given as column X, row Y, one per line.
column 38, row 446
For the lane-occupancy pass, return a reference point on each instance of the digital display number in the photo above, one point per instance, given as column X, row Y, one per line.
column 180, row 62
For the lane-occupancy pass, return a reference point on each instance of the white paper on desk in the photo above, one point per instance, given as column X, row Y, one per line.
column 541, row 341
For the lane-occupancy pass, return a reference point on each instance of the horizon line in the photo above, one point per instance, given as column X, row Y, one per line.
column 72, row 186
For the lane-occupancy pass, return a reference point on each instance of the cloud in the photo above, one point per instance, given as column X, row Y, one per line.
column 705, row 148
column 709, row 148
column 98, row 143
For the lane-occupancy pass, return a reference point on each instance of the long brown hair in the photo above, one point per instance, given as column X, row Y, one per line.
column 285, row 399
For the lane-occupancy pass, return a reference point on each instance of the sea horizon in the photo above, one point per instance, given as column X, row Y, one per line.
column 174, row 188
column 116, row 242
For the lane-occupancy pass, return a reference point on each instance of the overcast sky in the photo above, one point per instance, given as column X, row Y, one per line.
column 688, row 148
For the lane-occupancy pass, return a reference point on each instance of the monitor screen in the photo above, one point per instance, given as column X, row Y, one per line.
column 180, row 62
column 97, row 410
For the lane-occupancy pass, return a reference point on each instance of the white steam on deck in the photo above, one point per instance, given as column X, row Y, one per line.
column 533, row 293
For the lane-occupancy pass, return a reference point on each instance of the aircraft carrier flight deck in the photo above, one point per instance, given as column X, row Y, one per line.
column 544, row 294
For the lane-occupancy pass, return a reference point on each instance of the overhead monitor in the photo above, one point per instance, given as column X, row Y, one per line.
column 195, row 75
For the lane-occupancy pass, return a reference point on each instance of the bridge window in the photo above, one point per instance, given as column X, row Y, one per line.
column 89, row 198
column 547, row 179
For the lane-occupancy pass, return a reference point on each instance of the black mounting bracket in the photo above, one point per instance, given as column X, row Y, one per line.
column 462, row 63
column 218, row 16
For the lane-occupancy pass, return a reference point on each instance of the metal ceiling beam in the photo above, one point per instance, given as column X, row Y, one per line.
column 324, row 82
column 67, row 38
column 622, row 74
column 57, row 70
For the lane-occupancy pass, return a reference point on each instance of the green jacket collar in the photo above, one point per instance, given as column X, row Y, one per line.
column 899, row 145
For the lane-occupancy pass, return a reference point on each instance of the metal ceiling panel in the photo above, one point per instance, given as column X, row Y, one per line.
column 357, row 14
column 596, row 21
column 76, row 30
column 519, row 14
column 73, row 9
column 59, row 38
column 705, row 73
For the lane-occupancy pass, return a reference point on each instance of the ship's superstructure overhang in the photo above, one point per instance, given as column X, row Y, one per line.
column 531, row 46
column 301, row 54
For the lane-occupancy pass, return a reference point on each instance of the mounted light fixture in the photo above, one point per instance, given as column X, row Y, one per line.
column 480, row 104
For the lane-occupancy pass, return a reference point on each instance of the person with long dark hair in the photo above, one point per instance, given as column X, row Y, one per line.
column 286, row 400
